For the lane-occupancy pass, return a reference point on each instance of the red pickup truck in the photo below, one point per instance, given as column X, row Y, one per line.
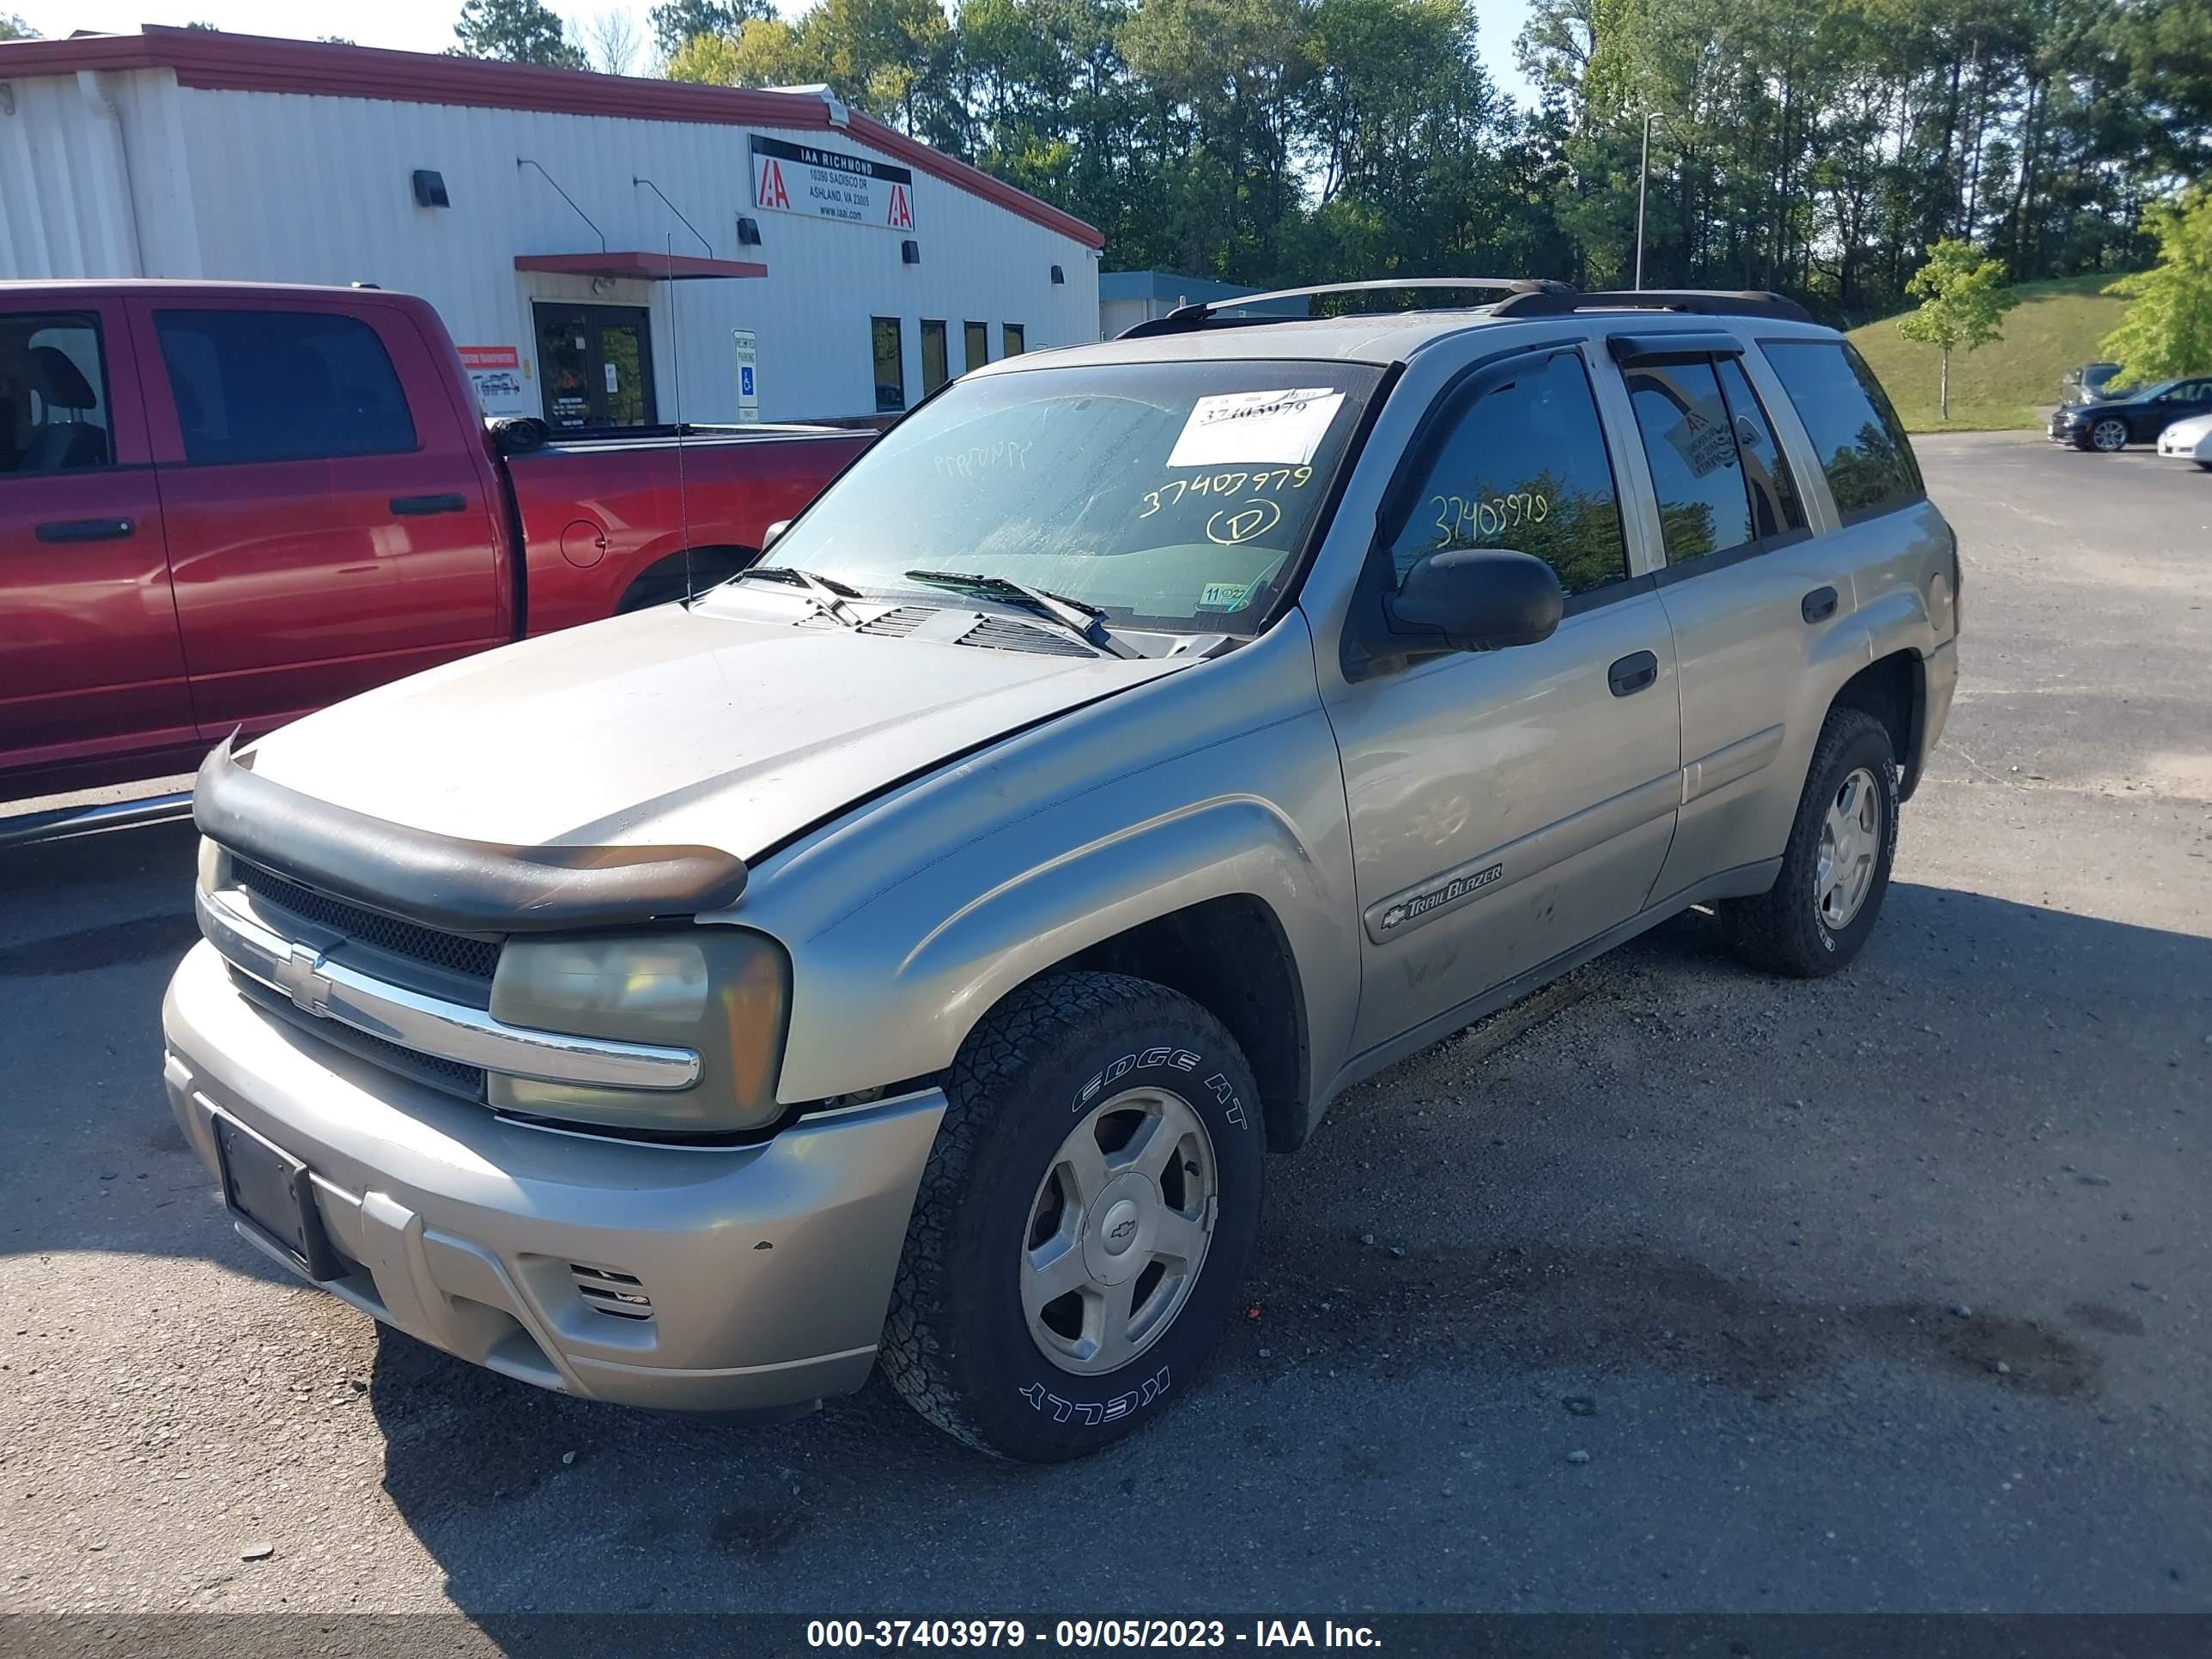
column 228, row 504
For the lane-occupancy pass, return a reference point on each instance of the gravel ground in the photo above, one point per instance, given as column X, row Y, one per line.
column 1690, row 1290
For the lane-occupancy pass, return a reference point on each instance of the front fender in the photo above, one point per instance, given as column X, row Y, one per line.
column 1138, row 874
column 976, row 883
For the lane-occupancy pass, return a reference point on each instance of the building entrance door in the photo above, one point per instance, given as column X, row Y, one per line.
column 596, row 361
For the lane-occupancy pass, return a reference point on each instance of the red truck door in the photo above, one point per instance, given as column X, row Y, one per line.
column 331, row 517
column 89, row 662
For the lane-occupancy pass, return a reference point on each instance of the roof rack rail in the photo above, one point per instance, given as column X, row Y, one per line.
column 1183, row 318
column 1701, row 302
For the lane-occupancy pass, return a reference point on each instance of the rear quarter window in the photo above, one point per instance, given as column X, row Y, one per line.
column 1861, row 444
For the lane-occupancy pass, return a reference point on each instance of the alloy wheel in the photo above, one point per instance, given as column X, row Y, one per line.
column 1851, row 846
column 1118, row 1231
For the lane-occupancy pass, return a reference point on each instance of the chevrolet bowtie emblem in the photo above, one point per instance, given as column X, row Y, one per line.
column 301, row 976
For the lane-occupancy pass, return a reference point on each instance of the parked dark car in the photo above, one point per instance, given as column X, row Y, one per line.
column 2091, row 383
column 2137, row 418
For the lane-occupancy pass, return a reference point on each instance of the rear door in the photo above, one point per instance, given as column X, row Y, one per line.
column 329, row 525
column 1766, row 615
column 90, row 666
column 1509, row 806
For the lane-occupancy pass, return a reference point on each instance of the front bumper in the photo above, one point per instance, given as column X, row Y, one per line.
column 2182, row 449
column 766, row 1270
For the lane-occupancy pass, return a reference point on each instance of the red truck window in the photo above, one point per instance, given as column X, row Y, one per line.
column 282, row 386
column 53, row 403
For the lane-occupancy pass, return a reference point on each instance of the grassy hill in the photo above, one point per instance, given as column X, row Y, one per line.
column 2056, row 326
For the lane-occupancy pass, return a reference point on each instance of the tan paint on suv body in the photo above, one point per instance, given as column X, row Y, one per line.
column 929, row 827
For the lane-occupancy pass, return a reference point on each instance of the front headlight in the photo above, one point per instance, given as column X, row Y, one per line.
column 722, row 991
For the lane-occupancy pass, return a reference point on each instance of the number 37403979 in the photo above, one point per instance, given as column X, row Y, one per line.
column 1465, row 521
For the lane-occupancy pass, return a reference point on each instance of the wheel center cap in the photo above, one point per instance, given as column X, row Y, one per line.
column 1118, row 1231
column 1117, row 1239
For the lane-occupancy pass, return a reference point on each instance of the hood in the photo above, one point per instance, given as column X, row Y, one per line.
column 2195, row 429
column 673, row 726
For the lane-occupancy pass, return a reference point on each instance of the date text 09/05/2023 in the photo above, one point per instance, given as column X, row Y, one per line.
column 1087, row 1633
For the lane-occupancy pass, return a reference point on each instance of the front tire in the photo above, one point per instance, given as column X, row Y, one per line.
column 2109, row 436
column 1084, row 1220
column 1836, row 865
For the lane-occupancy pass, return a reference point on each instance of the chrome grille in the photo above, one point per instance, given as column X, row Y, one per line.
column 454, row 952
column 449, row 1075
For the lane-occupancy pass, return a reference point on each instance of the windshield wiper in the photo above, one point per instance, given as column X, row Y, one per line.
column 828, row 593
column 1086, row 622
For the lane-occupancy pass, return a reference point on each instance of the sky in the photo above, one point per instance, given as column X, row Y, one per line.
column 427, row 24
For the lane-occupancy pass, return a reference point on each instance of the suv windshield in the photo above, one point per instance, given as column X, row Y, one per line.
column 1174, row 496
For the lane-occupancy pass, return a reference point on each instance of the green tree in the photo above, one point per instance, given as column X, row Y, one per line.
column 2167, row 331
column 1962, row 305
column 764, row 52
column 676, row 23
column 12, row 27
column 515, row 32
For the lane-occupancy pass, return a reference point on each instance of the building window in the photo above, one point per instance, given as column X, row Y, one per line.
column 890, row 364
column 979, row 343
column 933, row 371
column 53, row 410
column 1015, row 340
column 282, row 386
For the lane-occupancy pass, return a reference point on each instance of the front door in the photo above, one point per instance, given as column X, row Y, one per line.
column 597, row 363
column 1508, row 805
column 90, row 665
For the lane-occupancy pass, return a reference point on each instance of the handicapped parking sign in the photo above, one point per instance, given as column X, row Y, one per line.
column 741, row 340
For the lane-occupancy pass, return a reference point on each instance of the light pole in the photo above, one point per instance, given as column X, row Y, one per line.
column 1642, row 179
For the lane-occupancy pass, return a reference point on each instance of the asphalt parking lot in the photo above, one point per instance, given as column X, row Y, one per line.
column 1889, row 1292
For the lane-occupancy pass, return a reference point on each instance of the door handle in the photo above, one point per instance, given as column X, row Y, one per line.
column 1632, row 673
column 84, row 530
column 424, row 505
column 1819, row 605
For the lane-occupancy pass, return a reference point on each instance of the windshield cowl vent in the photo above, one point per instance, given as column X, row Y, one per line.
column 902, row 621
column 1005, row 634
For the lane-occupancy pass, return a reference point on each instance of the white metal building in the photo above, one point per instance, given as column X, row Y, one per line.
column 605, row 249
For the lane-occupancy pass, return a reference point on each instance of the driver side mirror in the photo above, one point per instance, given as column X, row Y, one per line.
column 771, row 536
column 1478, row 598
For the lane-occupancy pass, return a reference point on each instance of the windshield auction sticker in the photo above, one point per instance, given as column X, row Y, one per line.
column 1257, row 427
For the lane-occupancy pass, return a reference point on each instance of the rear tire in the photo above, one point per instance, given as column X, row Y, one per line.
column 1836, row 864
column 1026, row 1360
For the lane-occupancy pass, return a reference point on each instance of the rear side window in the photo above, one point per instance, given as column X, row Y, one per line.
column 54, row 401
column 1684, row 422
column 1777, row 512
column 1523, row 465
column 1857, row 434
column 282, row 386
